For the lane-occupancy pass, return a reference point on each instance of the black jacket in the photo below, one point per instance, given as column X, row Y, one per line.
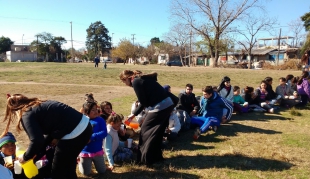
column 51, row 118
column 149, row 92
column 188, row 103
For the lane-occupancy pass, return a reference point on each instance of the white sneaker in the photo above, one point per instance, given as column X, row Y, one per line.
column 271, row 110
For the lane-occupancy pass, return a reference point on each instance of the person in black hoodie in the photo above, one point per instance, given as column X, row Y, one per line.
column 188, row 101
column 152, row 95
column 50, row 122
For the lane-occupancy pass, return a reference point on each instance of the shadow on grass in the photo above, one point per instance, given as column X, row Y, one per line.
column 231, row 161
column 158, row 172
column 231, row 129
column 257, row 116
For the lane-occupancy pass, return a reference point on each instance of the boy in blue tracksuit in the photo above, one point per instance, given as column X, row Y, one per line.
column 212, row 108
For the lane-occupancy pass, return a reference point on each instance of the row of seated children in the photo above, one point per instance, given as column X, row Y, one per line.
column 261, row 99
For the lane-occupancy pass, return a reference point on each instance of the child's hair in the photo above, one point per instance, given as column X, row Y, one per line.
column 129, row 73
column 268, row 79
column 89, row 97
column 295, row 79
column 304, row 74
column 248, row 90
column 282, row 79
column 87, row 107
column 289, row 77
column 236, row 88
column 104, row 103
column 115, row 118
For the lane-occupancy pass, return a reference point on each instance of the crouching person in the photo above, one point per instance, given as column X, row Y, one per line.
column 211, row 110
column 173, row 128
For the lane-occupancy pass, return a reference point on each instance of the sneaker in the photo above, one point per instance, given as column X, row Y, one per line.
column 214, row 128
column 271, row 110
column 196, row 133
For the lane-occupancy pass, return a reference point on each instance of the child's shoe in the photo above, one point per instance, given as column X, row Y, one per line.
column 196, row 133
column 271, row 110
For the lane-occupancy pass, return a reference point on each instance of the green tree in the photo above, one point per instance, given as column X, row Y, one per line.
column 306, row 19
column 5, row 44
column 155, row 40
column 97, row 39
column 48, row 45
column 124, row 50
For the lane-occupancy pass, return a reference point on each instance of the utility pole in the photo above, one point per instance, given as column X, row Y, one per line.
column 133, row 43
column 190, row 48
column 133, row 39
column 37, row 45
column 71, row 43
column 112, row 41
column 279, row 47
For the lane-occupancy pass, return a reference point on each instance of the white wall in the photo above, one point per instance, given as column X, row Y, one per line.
column 22, row 56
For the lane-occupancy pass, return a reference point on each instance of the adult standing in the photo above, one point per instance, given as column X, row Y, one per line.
column 50, row 122
column 152, row 95
column 305, row 58
column 97, row 60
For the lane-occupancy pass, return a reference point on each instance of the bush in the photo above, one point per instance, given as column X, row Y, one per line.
column 292, row 64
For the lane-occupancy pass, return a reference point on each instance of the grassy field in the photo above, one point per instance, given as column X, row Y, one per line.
column 253, row 145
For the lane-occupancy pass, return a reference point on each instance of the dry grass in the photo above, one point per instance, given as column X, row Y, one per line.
column 253, row 145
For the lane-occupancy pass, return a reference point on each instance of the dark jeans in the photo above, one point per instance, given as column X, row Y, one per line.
column 304, row 100
column 66, row 153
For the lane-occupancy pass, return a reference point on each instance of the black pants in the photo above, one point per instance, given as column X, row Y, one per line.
column 151, row 136
column 66, row 153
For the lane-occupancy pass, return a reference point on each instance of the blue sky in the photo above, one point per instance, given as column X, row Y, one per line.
column 21, row 20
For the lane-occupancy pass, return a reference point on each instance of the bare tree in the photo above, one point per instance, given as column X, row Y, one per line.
column 178, row 36
column 253, row 25
column 296, row 27
column 211, row 18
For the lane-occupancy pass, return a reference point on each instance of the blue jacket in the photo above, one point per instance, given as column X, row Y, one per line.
column 213, row 107
column 99, row 133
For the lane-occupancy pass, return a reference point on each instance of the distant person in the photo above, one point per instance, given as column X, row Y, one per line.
column 61, row 124
column 188, row 101
column 97, row 60
column 105, row 65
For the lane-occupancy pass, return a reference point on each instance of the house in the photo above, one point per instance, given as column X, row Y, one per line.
column 162, row 58
column 21, row 53
column 198, row 59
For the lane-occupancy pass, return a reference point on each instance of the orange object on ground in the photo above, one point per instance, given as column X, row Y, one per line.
column 134, row 125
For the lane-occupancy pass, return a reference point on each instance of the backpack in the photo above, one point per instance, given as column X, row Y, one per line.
column 185, row 120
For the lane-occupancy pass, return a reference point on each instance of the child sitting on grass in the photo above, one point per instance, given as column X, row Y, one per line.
column 174, row 127
column 237, row 99
column 8, row 149
column 93, row 151
column 114, row 148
